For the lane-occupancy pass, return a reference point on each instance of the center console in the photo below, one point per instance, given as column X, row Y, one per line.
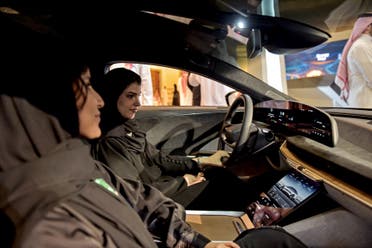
column 283, row 198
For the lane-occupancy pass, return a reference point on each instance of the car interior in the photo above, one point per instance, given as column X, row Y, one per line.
column 319, row 158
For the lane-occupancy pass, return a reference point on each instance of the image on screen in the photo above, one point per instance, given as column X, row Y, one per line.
column 318, row 61
column 291, row 190
column 281, row 199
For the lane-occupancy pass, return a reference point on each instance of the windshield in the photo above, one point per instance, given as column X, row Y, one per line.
column 308, row 74
column 293, row 46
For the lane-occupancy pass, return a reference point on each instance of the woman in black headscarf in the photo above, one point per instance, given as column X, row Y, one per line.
column 52, row 192
column 203, row 185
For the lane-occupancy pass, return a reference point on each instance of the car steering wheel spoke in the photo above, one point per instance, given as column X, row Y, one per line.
column 236, row 135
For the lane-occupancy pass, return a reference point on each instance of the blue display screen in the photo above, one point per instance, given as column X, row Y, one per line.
column 282, row 198
column 292, row 189
column 317, row 61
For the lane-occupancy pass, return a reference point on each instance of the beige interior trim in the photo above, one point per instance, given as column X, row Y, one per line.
column 316, row 174
column 219, row 225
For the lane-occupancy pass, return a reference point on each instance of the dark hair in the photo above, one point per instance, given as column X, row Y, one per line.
column 113, row 84
column 69, row 74
column 367, row 14
column 42, row 71
column 81, row 88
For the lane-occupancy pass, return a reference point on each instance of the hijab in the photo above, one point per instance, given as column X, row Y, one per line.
column 38, row 155
column 44, row 165
column 342, row 79
column 38, row 120
column 114, row 83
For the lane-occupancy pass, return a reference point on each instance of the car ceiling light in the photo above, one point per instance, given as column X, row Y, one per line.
column 240, row 24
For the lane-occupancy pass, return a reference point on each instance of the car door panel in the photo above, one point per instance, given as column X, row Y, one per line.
column 182, row 130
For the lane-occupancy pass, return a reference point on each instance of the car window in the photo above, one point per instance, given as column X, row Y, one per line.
column 307, row 75
column 277, row 71
column 165, row 86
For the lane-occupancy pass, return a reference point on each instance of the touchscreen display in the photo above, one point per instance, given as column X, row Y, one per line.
column 282, row 198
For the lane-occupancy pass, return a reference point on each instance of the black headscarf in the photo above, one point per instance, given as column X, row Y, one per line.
column 45, row 171
column 38, row 65
column 113, row 84
column 38, row 118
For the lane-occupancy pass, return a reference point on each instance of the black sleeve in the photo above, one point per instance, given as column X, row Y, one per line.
column 112, row 153
column 163, row 217
column 171, row 164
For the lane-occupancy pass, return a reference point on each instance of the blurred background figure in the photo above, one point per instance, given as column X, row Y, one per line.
column 176, row 96
column 339, row 19
column 164, row 95
column 354, row 74
column 184, row 90
column 212, row 93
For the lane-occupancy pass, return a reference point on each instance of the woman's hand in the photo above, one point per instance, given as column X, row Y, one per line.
column 266, row 215
column 216, row 159
column 222, row 245
column 192, row 179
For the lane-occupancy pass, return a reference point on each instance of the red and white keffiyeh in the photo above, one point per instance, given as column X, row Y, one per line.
column 341, row 79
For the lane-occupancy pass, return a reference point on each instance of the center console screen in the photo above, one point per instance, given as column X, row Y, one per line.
column 282, row 198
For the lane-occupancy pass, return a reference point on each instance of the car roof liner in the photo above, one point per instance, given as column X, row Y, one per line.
column 275, row 33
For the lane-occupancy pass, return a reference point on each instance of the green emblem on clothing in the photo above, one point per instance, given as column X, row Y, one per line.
column 104, row 184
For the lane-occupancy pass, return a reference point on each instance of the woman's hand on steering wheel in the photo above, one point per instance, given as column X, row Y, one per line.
column 217, row 159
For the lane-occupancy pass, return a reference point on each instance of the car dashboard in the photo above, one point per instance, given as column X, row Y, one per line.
column 313, row 147
column 313, row 144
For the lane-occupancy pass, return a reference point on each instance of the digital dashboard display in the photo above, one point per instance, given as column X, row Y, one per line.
column 299, row 119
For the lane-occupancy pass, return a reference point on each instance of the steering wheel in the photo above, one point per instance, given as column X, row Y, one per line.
column 236, row 135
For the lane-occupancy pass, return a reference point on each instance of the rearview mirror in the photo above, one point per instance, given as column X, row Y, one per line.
column 254, row 44
column 276, row 35
column 204, row 35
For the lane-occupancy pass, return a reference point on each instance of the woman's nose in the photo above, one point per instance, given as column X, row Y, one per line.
column 138, row 101
column 100, row 101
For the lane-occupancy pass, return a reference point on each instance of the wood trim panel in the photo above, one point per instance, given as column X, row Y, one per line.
column 316, row 174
